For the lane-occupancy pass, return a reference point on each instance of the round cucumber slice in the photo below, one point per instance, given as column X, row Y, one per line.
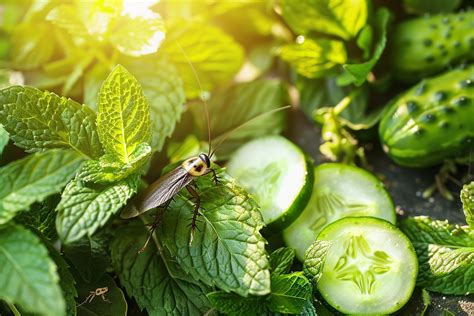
column 370, row 266
column 339, row 191
column 277, row 173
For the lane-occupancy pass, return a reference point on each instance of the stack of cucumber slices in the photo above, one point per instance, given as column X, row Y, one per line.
column 368, row 265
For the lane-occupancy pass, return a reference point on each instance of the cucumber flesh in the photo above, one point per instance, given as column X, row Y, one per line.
column 370, row 267
column 339, row 190
column 276, row 172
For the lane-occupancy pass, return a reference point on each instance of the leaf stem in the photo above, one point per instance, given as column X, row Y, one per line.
column 13, row 308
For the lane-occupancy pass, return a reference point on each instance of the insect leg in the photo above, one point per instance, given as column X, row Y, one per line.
column 196, row 196
column 158, row 218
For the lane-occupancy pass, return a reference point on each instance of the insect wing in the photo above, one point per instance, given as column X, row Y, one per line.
column 158, row 192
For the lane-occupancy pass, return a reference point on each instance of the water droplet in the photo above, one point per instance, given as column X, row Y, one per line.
column 428, row 118
column 466, row 83
column 461, row 101
column 421, row 88
column 411, row 106
column 439, row 96
column 447, row 109
column 444, row 124
column 300, row 39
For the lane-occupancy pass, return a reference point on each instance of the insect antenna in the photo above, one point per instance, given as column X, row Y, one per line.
column 202, row 97
column 227, row 134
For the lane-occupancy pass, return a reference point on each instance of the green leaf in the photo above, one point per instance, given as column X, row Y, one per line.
column 107, row 169
column 29, row 277
column 164, row 91
column 233, row 304
column 227, row 249
column 314, row 259
column 445, row 254
column 357, row 73
column 153, row 278
column 38, row 120
column 83, row 209
column 33, row 45
column 290, row 292
column 340, row 18
column 93, row 79
column 4, row 137
column 239, row 104
column 123, row 120
column 89, row 256
column 425, row 296
column 65, row 16
column 178, row 151
column 281, row 260
column 33, row 178
column 365, row 39
column 114, row 304
column 137, row 35
column 41, row 217
column 423, row 7
column 308, row 309
column 314, row 58
column 467, row 199
column 66, row 279
column 201, row 50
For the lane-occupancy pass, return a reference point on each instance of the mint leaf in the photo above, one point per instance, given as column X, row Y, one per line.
column 314, row 259
column 66, row 280
column 290, row 292
column 41, row 217
column 83, row 209
column 308, row 309
column 116, row 305
column 33, row 178
column 123, row 120
column 108, row 169
column 31, row 49
column 235, row 305
column 93, row 79
column 227, row 249
column 340, row 18
column 164, row 91
column 238, row 104
column 178, row 151
column 357, row 73
column 153, row 278
column 137, row 35
column 445, row 254
column 467, row 199
column 3, row 138
column 29, row 276
column 425, row 296
column 89, row 257
column 38, row 120
column 65, row 16
column 281, row 260
column 200, row 50
column 314, row 58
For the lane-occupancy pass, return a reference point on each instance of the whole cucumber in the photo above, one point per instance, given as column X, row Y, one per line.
column 432, row 121
column 426, row 45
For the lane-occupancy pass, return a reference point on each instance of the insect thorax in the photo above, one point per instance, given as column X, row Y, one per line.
column 195, row 166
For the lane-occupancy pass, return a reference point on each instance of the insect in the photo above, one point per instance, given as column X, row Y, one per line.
column 161, row 192
column 100, row 291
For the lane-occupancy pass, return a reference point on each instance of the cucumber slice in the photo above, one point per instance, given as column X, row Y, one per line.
column 339, row 191
column 277, row 173
column 370, row 266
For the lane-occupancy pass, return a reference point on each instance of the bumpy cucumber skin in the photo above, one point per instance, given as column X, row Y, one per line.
column 432, row 121
column 424, row 46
